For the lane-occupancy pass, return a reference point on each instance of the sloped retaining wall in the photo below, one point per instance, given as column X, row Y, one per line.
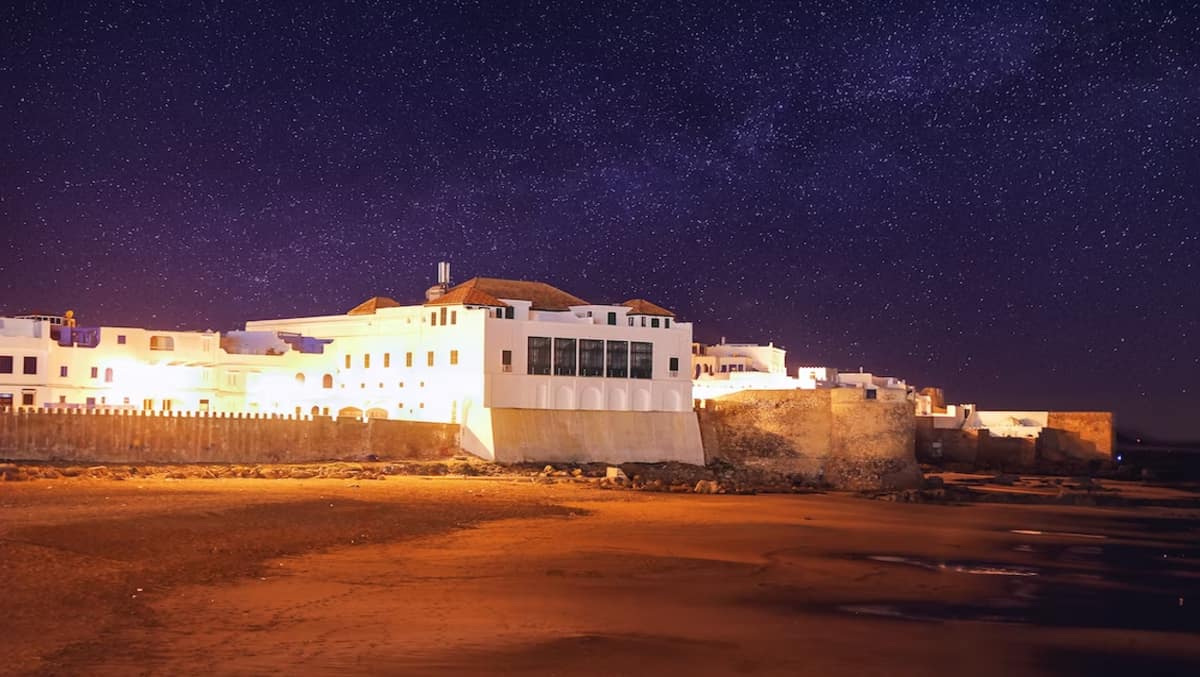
column 137, row 437
column 575, row 436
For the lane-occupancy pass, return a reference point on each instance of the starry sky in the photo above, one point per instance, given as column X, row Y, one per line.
column 1000, row 198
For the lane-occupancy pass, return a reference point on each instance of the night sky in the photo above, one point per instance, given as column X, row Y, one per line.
column 999, row 198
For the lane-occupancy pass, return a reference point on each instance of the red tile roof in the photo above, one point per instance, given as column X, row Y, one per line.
column 644, row 307
column 540, row 294
column 467, row 296
column 372, row 304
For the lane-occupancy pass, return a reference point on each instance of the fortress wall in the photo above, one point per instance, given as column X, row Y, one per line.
column 136, row 437
column 834, row 435
column 579, row 436
column 1077, row 436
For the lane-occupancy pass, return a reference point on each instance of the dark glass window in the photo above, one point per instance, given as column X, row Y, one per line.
column 121, row 339
column 612, row 317
column 95, row 372
column 641, row 360
column 6, row 364
column 30, row 365
column 506, row 359
column 618, row 359
column 871, row 394
column 564, row 357
column 508, row 313
column 591, row 357
column 673, row 364
column 666, row 323
column 500, row 313
column 539, row 355
column 62, row 371
column 654, row 323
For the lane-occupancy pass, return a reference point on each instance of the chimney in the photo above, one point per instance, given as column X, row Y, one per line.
column 438, row 290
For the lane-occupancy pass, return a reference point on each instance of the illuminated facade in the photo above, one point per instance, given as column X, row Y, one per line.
column 484, row 344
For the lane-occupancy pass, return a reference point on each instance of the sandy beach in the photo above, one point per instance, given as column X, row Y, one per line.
column 480, row 576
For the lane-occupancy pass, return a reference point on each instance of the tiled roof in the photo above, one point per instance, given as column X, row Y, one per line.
column 467, row 296
column 372, row 304
column 644, row 307
column 540, row 294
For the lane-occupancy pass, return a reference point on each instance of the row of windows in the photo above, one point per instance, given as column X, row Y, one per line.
column 408, row 359
column 29, row 364
column 589, row 357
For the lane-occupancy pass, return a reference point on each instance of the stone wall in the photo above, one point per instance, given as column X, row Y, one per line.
column 834, row 435
column 1071, row 441
column 579, row 436
column 1077, row 436
column 138, row 437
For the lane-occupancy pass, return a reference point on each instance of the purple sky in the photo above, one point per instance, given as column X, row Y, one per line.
column 1000, row 199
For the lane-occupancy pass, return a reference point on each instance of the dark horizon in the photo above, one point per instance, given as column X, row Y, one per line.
column 999, row 200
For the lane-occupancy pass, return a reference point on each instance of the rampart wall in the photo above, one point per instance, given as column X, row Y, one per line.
column 138, row 437
column 834, row 435
column 1071, row 440
column 579, row 436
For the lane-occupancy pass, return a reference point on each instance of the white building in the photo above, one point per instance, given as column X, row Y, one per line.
column 479, row 346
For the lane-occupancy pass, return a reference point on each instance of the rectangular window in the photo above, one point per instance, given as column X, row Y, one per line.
column 612, row 317
column 453, row 357
column 654, row 323
column 95, row 372
column 408, row 359
column 500, row 313
column 506, row 361
column 162, row 343
column 120, row 339
column 204, row 406
column 443, row 317
column 6, row 364
column 453, row 317
column 433, row 318
column 62, row 371
column 29, row 365
column 564, row 357
column 631, row 321
column 26, row 398
column 387, row 360
column 539, row 355
column 591, row 357
column 871, row 394
column 618, row 359
column 108, row 375
column 347, row 360
column 429, row 358
column 508, row 313
column 666, row 323
column 148, row 404
column 641, row 359
column 673, row 366
column 367, row 361
column 643, row 321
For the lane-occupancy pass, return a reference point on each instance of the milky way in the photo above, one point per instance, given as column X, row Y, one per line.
column 1000, row 199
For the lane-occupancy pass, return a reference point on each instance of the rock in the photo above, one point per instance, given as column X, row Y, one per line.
column 614, row 473
column 706, row 487
column 576, row 473
column 299, row 474
column 560, row 473
column 547, row 470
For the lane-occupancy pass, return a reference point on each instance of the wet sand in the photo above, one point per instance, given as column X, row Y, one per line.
column 481, row 576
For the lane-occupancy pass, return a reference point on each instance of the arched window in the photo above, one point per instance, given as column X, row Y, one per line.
column 300, row 379
column 108, row 375
column 327, row 381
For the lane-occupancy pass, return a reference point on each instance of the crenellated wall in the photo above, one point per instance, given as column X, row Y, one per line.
column 138, row 437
